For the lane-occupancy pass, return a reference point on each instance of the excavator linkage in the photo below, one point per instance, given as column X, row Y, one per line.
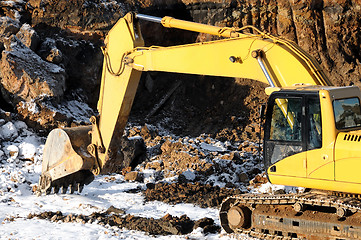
column 72, row 156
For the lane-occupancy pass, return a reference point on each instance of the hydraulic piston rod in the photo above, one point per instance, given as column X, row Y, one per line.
column 171, row 22
column 148, row 18
column 258, row 55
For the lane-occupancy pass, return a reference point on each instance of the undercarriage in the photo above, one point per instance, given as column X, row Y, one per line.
column 293, row 216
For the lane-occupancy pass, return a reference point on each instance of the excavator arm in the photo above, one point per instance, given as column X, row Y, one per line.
column 73, row 156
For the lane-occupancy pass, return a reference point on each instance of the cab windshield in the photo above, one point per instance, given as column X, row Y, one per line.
column 347, row 113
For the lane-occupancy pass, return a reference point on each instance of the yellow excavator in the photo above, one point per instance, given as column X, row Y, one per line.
column 312, row 129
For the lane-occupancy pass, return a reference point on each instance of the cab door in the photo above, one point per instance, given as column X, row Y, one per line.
column 319, row 164
column 284, row 142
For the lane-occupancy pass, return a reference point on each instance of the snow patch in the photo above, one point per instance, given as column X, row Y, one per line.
column 214, row 147
column 8, row 131
column 189, row 175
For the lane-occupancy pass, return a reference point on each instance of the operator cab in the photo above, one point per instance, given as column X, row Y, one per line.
column 302, row 120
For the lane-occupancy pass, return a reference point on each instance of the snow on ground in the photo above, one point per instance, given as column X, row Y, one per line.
column 20, row 167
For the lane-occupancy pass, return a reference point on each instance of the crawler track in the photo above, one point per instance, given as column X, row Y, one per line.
column 293, row 216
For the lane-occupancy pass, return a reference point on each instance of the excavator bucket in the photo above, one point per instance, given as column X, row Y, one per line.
column 66, row 162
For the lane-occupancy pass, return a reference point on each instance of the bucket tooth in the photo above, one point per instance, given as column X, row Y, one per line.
column 72, row 188
column 56, row 189
column 80, row 187
column 63, row 189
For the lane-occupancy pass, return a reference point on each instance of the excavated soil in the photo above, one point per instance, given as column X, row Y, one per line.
column 202, row 195
column 167, row 225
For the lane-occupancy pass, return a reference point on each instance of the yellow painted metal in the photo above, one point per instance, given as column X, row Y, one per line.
column 320, row 162
column 317, row 184
column 309, row 62
column 348, row 157
column 270, row 90
column 213, row 58
column 170, row 22
column 282, row 57
column 118, row 85
column 292, row 166
column 336, row 165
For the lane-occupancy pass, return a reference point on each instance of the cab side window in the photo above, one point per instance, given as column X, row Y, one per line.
column 286, row 120
column 285, row 130
column 314, row 124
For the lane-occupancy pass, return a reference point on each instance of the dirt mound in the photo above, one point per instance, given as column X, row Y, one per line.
column 202, row 195
column 167, row 225
column 227, row 163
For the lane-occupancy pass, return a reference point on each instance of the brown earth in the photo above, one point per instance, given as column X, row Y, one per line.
column 202, row 195
column 167, row 225
column 233, row 165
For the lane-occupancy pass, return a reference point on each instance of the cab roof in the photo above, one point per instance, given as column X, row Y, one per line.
column 333, row 90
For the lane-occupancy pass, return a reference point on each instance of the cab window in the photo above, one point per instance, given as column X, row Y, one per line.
column 347, row 113
column 286, row 119
column 314, row 124
column 284, row 135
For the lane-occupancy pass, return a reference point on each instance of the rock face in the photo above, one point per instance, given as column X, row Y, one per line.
column 81, row 15
column 8, row 27
column 28, row 36
column 328, row 30
column 25, row 76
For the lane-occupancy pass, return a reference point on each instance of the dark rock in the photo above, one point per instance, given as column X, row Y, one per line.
column 28, row 36
column 14, row 10
column 78, row 16
column 207, row 224
column 150, row 185
column 211, row 229
column 49, row 51
column 26, row 77
column 182, row 179
column 130, row 153
column 8, row 27
column 197, row 193
column 203, row 222
column 243, row 177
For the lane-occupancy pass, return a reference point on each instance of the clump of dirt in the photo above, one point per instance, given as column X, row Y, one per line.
column 177, row 157
column 167, row 225
column 203, row 159
column 200, row 194
column 258, row 180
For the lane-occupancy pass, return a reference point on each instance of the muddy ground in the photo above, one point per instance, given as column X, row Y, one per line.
column 167, row 225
